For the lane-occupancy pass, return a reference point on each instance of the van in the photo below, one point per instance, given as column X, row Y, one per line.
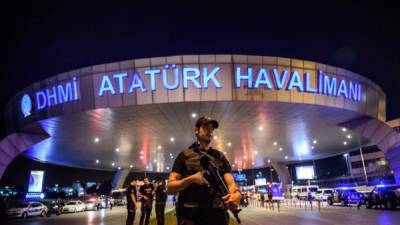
column 301, row 192
column 323, row 193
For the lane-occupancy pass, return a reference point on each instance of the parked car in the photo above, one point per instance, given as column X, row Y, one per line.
column 323, row 193
column 345, row 196
column 26, row 209
column 384, row 195
column 73, row 206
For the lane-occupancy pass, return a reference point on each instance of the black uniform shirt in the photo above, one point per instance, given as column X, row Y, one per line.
column 161, row 195
column 147, row 190
column 129, row 191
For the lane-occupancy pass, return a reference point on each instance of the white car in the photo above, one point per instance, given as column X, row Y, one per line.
column 73, row 206
column 90, row 204
column 323, row 193
column 26, row 209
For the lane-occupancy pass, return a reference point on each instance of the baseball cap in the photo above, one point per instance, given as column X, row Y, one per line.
column 206, row 120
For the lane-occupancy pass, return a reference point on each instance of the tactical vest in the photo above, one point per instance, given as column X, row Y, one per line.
column 193, row 165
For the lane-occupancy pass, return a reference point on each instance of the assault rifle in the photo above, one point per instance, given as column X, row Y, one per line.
column 216, row 182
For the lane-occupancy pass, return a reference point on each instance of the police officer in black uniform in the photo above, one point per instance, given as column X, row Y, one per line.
column 146, row 192
column 131, row 198
column 161, row 199
column 197, row 203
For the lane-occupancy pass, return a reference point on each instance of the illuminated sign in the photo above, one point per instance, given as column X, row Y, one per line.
column 55, row 95
column 36, row 181
column 172, row 77
column 260, row 181
column 34, row 195
column 203, row 77
column 305, row 172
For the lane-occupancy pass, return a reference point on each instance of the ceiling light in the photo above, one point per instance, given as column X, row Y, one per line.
column 131, row 166
column 119, row 168
column 312, row 147
column 345, row 154
column 275, row 143
column 97, row 161
column 172, row 139
column 280, row 149
column 256, row 152
column 112, row 164
column 286, row 157
column 154, row 161
column 96, row 140
column 260, row 128
column 244, row 157
column 229, row 144
column 345, row 142
column 141, row 157
column 194, row 115
column 348, row 136
column 344, row 129
column 167, row 167
column 314, row 142
column 253, row 163
column 141, row 152
column 269, row 161
column 215, row 137
column 117, row 149
column 159, row 147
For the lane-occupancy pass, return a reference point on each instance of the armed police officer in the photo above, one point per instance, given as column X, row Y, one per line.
column 131, row 198
column 146, row 192
column 197, row 203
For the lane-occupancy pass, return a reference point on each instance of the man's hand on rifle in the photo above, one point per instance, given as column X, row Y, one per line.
column 232, row 200
column 198, row 178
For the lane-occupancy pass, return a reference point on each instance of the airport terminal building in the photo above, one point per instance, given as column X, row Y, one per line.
column 137, row 115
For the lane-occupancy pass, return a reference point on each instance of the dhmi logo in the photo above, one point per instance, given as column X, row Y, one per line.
column 26, row 105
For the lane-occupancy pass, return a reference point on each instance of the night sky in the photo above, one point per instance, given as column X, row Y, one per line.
column 40, row 41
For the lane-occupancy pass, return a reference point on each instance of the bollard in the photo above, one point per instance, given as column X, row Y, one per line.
column 319, row 205
column 278, row 206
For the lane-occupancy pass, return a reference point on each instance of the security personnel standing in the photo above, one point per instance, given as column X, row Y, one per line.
column 197, row 204
column 146, row 192
column 161, row 199
column 132, row 203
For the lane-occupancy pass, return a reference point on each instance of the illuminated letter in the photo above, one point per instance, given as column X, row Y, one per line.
column 295, row 81
column 342, row 89
column 262, row 78
column 120, row 78
column 106, row 86
column 193, row 78
column 41, row 100
column 176, row 78
column 330, row 85
column 353, row 89
column 51, row 96
column 247, row 77
column 279, row 80
column 137, row 82
column 64, row 96
column 75, row 88
column 211, row 76
column 152, row 74
column 307, row 77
